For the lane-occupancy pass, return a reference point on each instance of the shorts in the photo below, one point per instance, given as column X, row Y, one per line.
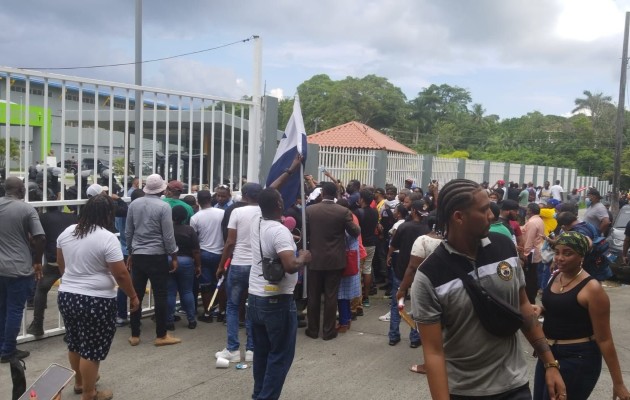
column 366, row 263
column 90, row 324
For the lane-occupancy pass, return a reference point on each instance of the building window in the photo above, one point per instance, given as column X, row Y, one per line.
column 37, row 92
column 71, row 149
column 19, row 89
column 88, row 100
column 72, row 97
column 120, row 105
column 87, row 150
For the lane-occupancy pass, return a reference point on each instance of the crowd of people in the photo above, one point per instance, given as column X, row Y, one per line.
column 522, row 246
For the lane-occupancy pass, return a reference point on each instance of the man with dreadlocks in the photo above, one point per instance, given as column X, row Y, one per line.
column 462, row 358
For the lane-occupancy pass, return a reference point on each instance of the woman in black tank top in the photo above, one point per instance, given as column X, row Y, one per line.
column 577, row 325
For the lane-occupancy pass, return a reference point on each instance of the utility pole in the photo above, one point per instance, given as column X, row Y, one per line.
column 138, row 98
column 614, row 207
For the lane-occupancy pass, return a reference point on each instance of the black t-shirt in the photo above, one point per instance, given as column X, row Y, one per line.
column 186, row 239
column 513, row 193
column 403, row 240
column 368, row 219
column 54, row 222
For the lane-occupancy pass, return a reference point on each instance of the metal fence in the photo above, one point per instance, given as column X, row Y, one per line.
column 73, row 125
column 364, row 165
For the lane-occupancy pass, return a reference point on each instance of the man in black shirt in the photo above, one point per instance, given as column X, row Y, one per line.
column 54, row 222
column 368, row 219
column 403, row 241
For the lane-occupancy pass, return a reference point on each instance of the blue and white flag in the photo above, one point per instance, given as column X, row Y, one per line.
column 293, row 142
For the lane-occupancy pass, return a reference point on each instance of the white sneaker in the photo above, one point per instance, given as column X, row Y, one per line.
column 386, row 317
column 249, row 356
column 231, row 356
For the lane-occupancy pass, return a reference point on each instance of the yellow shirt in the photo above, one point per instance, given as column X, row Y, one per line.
column 550, row 222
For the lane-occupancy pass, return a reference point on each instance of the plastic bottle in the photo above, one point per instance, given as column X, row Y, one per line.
column 33, row 395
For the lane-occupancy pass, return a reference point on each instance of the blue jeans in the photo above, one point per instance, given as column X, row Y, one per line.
column 209, row 264
column 236, row 284
column 544, row 273
column 274, row 329
column 345, row 314
column 181, row 281
column 394, row 319
column 13, row 295
column 580, row 366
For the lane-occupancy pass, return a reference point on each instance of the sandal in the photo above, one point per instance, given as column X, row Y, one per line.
column 79, row 389
column 418, row 369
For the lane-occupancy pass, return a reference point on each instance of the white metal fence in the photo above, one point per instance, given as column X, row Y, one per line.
column 346, row 164
column 88, row 126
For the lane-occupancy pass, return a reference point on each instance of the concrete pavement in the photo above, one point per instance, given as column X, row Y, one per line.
column 357, row 365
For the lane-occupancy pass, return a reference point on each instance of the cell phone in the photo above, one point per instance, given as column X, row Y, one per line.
column 322, row 169
column 50, row 383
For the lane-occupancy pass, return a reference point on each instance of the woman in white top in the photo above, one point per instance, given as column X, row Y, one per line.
column 422, row 248
column 91, row 264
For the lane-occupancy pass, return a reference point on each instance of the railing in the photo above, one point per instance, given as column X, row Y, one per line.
column 88, row 126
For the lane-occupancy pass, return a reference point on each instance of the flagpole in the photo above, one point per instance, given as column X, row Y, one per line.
column 303, row 226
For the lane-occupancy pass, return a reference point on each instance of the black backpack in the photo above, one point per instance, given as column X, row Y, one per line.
column 18, row 377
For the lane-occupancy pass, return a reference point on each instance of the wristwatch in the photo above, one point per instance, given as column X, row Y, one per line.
column 553, row 364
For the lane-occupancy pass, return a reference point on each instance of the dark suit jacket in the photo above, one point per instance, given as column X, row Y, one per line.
column 326, row 225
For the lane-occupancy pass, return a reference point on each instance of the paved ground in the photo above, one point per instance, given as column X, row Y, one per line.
column 356, row 365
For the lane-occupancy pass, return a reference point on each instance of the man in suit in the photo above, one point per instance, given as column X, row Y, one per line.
column 327, row 224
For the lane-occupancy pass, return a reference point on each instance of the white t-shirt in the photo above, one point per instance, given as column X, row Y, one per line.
column 207, row 224
column 276, row 239
column 556, row 191
column 86, row 259
column 424, row 246
column 242, row 219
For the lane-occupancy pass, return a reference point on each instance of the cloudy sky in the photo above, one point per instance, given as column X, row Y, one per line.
column 514, row 56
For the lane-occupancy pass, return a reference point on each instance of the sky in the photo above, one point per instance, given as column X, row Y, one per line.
column 514, row 56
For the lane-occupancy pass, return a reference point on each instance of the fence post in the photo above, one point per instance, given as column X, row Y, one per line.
column 461, row 168
column 427, row 170
column 312, row 160
column 486, row 172
column 380, row 168
column 522, row 178
column 269, row 139
column 506, row 173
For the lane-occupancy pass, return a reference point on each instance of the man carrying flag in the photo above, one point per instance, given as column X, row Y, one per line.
column 271, row 309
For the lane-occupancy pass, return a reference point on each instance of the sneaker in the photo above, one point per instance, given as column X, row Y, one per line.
column 18, row 354
column 386, row 317
column 35, row 329
column 134, row 340
column 231, row 356
column 206, row 318
column 167, row 340
column 366, row 302
column 249, row 356
column 192, row 324
column 121, row 322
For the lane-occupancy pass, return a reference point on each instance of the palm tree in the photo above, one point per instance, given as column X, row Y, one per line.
column 597, row 105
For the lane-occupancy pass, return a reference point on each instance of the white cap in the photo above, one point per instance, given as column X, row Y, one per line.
column 94, row 190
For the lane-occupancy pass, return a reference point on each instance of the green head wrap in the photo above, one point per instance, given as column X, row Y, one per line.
column 576, row 241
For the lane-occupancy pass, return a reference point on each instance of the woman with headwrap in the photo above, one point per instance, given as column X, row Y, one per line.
column 577, row 325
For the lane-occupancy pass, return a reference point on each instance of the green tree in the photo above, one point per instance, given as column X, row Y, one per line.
column 14, row 150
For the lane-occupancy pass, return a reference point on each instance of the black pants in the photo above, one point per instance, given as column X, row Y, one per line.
column 379, row 262
column 156, row 269
column 531, row 281
column 50, row 274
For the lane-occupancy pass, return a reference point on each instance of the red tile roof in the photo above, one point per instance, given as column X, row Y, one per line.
column 357, row 136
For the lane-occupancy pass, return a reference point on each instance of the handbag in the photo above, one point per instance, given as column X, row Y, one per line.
column 352, row 263
column 272, row 268
column 547, row 253
column 496, row 315
column 18, row 377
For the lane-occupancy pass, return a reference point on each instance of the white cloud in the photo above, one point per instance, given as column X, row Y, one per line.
column 277, row 93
